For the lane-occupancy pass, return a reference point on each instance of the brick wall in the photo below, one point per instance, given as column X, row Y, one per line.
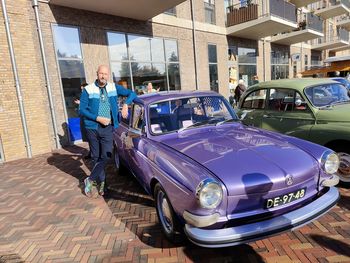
column 32, row 87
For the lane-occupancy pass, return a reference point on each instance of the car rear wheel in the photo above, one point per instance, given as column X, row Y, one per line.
column 344, row 167
column 166, row 215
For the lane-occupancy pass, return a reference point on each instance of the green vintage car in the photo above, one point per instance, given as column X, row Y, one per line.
column 317, row 110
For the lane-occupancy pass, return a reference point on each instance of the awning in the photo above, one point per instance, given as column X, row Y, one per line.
column 326, row 69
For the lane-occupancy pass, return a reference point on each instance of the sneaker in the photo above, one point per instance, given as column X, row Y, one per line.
column 101, row 189
column 88, row 186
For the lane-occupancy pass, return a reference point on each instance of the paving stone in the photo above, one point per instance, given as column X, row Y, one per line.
column 45, row 217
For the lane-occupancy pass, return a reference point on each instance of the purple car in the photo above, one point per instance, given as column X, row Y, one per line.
column 216, row 180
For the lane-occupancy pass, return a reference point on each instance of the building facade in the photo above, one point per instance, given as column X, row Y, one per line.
column 174, row 44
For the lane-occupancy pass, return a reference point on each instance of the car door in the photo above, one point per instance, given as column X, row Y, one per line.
column 252, row 107
column 136, row 144
column 287, row 112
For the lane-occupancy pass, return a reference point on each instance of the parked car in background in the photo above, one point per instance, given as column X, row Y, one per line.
column 317, row 110
column 218, row 181
column 343, row 81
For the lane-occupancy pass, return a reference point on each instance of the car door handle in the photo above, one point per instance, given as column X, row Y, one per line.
column 267, row 116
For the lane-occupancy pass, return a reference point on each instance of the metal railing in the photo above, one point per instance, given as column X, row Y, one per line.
column 340, row 35
column 332, row 3
column 253, row 9
column 314, row 22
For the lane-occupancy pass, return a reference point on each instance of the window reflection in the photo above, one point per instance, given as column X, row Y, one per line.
column 71, row 65
column 67, row 42
column 150, row 59
column 117, row 46
column 171, row 51
column 139, row 48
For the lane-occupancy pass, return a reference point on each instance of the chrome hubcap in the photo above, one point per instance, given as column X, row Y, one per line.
column 344, row 167
column 164, row 213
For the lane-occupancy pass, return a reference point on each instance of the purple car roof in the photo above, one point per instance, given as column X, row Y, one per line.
column 170, row 95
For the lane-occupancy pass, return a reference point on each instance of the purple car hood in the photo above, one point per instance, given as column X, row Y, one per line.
column 243, row 157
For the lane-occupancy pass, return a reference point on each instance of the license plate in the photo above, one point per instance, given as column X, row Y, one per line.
column 285, row 199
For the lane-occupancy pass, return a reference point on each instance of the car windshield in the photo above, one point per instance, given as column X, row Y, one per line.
column 179, row 114
column 327, row 94
column 343, row 81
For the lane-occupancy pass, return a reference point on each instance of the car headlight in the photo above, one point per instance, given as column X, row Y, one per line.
column 330, row 162
column 209, row 193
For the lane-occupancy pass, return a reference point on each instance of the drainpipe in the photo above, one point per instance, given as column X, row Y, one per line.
column 194, row 43
column 18, row 86
column 46, row 73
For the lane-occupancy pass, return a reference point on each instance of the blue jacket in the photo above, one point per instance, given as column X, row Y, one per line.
column 90, row 100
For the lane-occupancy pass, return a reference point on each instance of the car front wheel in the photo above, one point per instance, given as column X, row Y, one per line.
column 166, row 215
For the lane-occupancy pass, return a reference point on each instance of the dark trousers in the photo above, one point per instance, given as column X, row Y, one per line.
column 101, row 147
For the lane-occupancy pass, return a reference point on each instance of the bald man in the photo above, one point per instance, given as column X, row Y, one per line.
column 99, row 107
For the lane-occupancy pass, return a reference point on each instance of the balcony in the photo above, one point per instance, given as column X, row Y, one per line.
column 340, row 40
column 301, row 3
column 261, row 18
column 309, row 27
column 135, row 9
column 344, row 22
column 333, row 8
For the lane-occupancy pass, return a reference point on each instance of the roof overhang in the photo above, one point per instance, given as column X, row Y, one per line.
column 135, row 9
column 331, row 45
column 261, row 27
column 296, row 37
column 301, row 3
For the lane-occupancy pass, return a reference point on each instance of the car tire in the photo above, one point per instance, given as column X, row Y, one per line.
column 344, row 167
column 166, row 216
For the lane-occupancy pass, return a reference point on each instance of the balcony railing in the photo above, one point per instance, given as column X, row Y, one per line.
column 343, row 18
column 332, row 3
column 251, row 10
column 342, row 35
column 314, row 22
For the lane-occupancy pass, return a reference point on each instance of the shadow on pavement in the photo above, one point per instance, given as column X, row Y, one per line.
column 135, row 208
column 336, row 245
column 71, row 163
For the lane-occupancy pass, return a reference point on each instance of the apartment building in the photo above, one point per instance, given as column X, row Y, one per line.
column 50, row 47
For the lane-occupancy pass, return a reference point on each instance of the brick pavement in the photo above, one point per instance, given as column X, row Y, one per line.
column 44, row 217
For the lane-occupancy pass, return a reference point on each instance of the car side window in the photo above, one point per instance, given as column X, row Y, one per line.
column 286, row 100
column 299, row 103
column 255, row 100
column 137, row 117
column 126, row 120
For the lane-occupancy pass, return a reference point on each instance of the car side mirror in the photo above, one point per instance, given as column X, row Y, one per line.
column 134, row 133
column 298, row 102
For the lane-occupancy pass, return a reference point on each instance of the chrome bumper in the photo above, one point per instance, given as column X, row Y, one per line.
column 246, row 233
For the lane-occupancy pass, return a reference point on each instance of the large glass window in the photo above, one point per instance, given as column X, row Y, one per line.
column 279, row 63
column 70, row 61
column 247, row 64
column 213, row 67
column 209, row 9
column 139, row 60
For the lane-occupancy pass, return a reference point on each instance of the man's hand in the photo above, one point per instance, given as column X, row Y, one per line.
column 104, row 121
column 125, row 111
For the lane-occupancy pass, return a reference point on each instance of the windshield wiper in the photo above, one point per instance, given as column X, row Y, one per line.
column 227, row 120
column 340, row 102
column 196, row 124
